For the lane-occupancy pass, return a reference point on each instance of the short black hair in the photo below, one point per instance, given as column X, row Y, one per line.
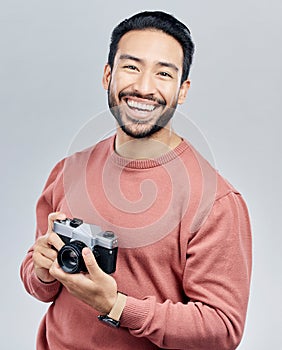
column 157, row 20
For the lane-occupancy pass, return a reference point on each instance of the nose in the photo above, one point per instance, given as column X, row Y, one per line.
column 145, row 84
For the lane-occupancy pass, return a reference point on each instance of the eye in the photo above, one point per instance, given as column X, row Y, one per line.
column 165, row 74
column 130, row 67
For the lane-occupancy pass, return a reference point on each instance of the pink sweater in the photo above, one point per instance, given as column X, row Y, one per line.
column 184, row 255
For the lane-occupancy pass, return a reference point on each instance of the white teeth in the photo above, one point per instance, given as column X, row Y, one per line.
column 140, row 106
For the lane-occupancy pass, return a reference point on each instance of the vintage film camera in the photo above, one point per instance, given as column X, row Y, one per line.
column 76, row 235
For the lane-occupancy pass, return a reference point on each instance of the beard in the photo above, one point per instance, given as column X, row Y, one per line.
column 140, row 128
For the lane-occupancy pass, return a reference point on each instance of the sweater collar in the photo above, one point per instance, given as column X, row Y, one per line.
column 146, row 163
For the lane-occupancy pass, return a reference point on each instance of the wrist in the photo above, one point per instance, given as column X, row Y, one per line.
column 46, row 282
column 112, row 318
column 43, row 275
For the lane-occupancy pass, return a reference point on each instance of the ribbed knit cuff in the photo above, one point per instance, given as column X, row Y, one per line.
column 41, row 289
column 135, row 313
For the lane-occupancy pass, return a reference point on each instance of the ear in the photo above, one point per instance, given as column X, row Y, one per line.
column 107, row 76
column 183, row 91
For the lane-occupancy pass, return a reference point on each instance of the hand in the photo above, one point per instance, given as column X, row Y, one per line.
column 44, row 253
column 95, row 288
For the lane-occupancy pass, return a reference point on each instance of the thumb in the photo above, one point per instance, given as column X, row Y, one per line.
column 90, row 261
column 53, row 217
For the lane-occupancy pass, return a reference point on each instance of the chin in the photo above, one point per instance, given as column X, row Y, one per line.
column 138, row 133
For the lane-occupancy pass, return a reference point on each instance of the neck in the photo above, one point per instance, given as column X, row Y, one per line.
column 148, row 147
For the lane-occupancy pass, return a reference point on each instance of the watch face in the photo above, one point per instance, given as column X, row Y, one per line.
column 109, row 321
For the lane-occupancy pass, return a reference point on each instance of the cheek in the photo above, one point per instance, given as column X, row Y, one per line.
column 171, row 94
column 120, row 82
column 113, row 88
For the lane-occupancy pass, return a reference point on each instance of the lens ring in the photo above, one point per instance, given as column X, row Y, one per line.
column 70, row 257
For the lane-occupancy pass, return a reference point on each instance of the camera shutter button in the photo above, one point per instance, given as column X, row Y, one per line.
column 108, row 234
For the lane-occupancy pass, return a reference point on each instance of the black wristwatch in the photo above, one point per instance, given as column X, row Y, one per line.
column 113, row 317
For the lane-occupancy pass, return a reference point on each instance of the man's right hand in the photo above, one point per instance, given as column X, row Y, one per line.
column 46, row 249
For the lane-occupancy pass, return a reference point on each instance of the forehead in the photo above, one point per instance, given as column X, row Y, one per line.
column 151, row 46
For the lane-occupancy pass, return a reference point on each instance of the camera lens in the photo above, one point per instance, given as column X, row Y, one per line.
column 70, row 257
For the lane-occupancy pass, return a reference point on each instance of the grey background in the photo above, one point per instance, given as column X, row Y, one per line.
column 52, row 55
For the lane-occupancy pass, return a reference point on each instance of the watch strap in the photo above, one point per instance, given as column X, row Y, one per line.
column 113, row 317
column 118, row 307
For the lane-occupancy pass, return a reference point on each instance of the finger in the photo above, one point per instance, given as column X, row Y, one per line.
column 55, row 241
column 47, row 252
column 41, row 261
column 90, row 261
column 67, row 279
column 54, row 216
column 56, row 271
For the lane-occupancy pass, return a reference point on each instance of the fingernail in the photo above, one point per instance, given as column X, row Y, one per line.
column 86, row 251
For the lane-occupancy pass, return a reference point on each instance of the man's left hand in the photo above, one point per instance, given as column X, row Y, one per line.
column 95, row 288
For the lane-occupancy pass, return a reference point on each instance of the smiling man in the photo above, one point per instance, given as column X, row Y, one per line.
column 183, row 267
column 146, row 86
column 146, row 77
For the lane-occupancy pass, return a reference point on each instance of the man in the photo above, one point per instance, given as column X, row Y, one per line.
column 184, row 261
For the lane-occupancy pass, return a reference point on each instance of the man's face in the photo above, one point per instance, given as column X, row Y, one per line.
column 144, row 86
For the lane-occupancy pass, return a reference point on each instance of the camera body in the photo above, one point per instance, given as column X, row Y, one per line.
column 76, row 235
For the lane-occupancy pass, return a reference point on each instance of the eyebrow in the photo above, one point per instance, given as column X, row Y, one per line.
column 130, row 57
column 168, row 65
column 140, row 60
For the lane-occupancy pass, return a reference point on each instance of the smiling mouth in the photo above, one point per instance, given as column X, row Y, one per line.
column 140, row 106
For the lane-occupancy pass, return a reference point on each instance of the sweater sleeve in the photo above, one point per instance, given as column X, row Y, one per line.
column 216, row 281
column 43, row 291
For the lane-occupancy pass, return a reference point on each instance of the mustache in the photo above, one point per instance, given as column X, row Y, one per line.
column 144, row 97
